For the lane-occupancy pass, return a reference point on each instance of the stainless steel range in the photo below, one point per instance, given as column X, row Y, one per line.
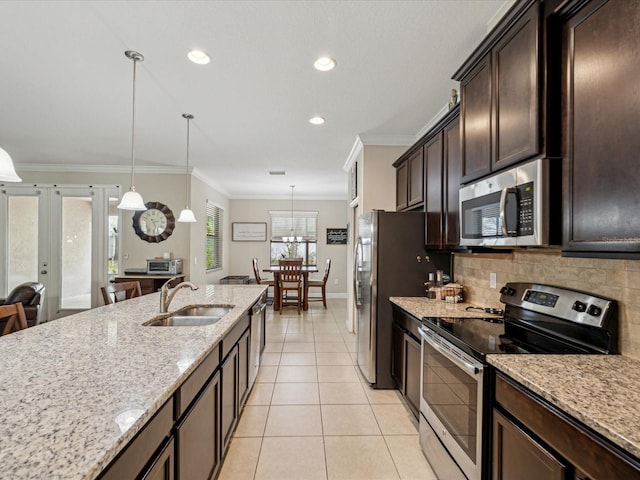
column 455, row 385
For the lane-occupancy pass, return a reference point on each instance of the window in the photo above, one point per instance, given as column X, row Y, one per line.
column 302, row 225
column 214, row 236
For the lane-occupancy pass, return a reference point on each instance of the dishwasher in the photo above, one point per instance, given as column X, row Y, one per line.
column 257, row 315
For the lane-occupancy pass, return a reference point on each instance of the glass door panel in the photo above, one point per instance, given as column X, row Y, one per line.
column 76, row 252
column 22, row 240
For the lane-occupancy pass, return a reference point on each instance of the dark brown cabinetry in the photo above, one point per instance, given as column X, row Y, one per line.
column 229, row 403
column 501, row 95
column 601, row 101
column 163, row 466
column 443, row 171
column 535, row 440
column 409, row 181
column 198, row 435
column 406, row 358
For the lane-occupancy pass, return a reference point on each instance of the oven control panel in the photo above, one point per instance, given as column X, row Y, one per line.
column 571, row 305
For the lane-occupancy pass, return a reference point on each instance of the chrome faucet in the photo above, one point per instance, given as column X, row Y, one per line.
column 166, row 297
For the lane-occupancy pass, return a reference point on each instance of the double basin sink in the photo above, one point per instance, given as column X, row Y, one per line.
column 196, row 316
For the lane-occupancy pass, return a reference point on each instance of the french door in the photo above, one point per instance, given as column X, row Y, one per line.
column 64, row 237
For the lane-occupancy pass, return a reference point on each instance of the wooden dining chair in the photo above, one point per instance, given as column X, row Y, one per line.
column 291, row 281
column 260, row 280
column 117, row 292
column 321, row 284
column 14, row 316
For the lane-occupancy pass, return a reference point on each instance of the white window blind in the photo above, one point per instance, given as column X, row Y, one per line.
column 214, row 236
column 304, row 224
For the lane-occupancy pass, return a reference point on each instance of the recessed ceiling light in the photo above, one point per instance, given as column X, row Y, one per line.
column 324, row 64
column 316, row 120
column 199, row 57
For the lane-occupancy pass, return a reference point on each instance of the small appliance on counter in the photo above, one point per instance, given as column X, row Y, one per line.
column 164, row 266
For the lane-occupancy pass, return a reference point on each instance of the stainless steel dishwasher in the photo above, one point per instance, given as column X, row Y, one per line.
column 257, row 315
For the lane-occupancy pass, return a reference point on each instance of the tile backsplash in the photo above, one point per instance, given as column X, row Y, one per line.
column 617, row 279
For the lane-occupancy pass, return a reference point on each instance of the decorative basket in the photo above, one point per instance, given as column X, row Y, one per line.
column 450, row 293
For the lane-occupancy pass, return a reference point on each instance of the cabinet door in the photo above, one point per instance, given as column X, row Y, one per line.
column 402, row 186
column 415, row 181
column 516, row 92
column 601, row 141
column 162, row 468
column 433, row 204
column 517, row 455
column 413, row 362
column 229, row 396
column 476, row 121
column 198, row 435
column 397, row 356
column 451, row 183
column 244, row 348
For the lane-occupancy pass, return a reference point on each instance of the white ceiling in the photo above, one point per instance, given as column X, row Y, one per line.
column 65, row 84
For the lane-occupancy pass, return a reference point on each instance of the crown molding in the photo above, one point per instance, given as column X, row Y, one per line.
column 355, row 152
column 72, row 168
column 210, row 182
column 431, row 123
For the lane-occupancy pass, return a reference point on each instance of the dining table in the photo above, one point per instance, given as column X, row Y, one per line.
column 306, row 270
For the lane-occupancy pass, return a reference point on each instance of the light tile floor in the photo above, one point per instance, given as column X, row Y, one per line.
column 311, row 415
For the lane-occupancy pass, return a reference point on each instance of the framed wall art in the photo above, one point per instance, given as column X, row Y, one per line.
column 249, row 231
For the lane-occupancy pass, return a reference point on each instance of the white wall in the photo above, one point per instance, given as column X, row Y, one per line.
column 331, row 214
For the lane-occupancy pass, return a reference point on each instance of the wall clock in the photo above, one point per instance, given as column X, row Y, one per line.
column 155, row 224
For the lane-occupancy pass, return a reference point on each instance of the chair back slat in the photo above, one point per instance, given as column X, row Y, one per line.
column 291, row 270
column 117, row 292
column 16, row 319
column 326, row 271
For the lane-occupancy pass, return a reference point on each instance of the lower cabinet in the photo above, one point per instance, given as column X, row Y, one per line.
column 198, row 434
column 188, row 437
column 534, row 440
column 517, row 455
column 229, row 400
column 163, row 466
column 406, row 357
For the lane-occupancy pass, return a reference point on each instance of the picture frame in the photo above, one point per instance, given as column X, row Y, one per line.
column 337, row 236
column 249, row 231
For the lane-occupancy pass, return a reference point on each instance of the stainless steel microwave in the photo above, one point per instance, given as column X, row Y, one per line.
column 162, row 266
column 512, row 208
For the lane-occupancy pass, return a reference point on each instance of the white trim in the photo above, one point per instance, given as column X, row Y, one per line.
column 342, row 197
column 75, row 168
column 209, row 182
column 355, row 152
column 431, row 123
column 388, row 140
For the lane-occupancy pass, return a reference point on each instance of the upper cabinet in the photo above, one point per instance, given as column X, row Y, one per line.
column 410, row 180
column 601, row 137
column 501, row 95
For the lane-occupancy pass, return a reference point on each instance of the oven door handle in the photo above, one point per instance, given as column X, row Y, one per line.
column 451, row 353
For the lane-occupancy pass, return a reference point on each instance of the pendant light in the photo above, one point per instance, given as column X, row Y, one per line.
column 132, row 200
column 7, row 171
column 292, row 239
column 186, row 215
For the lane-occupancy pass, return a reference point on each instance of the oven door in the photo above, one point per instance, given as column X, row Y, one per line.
column 451, row 400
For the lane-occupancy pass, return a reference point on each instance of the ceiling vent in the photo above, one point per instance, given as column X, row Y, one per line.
column 277, row 172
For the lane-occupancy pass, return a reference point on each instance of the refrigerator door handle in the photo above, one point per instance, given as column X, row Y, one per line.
column 356, row 274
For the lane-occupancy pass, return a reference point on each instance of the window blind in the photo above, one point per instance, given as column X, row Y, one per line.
column 304, row 224
column 213, row 248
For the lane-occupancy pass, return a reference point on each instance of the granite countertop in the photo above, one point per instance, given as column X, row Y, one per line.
column 601, row 391
column 76, row 390
column 423, row 307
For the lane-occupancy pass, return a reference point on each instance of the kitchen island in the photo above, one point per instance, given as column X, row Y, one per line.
column 77, row 390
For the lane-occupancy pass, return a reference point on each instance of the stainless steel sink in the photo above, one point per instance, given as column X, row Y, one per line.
column 197, row 316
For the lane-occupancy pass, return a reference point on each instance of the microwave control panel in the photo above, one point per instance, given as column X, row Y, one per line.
column 525, row 209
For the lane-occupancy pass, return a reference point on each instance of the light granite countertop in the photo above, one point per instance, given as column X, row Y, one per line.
column 423, row 307
column 75, row 391
column 601, row 391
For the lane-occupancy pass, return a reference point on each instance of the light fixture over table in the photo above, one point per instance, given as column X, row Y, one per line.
column 7, row 171
column 186, row 215
column 132, row 200
column 292, row 239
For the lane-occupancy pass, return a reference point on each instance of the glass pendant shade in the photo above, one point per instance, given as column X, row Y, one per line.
column 132, row 200
column 187, row 216
column 7, row 171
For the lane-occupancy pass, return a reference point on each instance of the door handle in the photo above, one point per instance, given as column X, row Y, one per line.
column 43, row 272
column 506, row 232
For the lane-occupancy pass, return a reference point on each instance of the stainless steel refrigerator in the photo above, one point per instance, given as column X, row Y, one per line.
column 389, row 262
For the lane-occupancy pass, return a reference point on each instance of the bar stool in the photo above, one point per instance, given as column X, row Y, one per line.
column 15, row 318
column 117, row 292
